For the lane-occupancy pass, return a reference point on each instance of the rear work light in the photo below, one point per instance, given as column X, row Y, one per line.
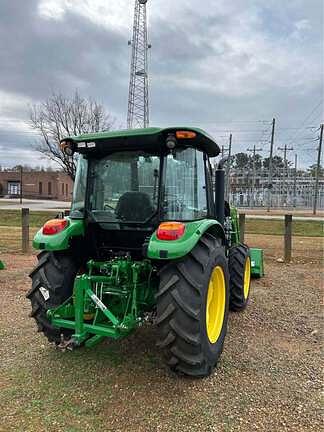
column 67, row 147
column 170, row 230
column 54, row 226
column 186, row 134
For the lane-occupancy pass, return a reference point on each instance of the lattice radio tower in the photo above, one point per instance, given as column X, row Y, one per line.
column 138, row 103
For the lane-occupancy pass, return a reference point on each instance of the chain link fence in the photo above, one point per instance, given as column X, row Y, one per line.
column 286, row 192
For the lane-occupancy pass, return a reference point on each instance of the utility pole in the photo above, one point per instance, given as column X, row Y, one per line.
column 228, row 181
column 285, row 149
column 224, row 150
column 138, row 98
column 318, row 169
column 295, row 182
column 270, row 164
column 254, row 150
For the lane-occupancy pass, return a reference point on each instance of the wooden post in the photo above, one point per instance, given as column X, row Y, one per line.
column 25, row 230
column 288, row 237
column 21, row 184
column 242, row 226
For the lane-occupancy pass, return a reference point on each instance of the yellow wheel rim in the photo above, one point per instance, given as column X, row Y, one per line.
column 247, row 277
column 215, row 308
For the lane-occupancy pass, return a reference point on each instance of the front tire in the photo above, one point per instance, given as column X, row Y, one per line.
column 52, row 284
column 239, row 263
column 192, row 308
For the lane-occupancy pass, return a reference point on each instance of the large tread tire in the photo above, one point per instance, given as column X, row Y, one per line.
column 55, row 272
column 237, row 258
column 181, row 309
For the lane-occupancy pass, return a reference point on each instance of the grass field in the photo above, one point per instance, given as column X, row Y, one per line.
column 10, row 220
column 10, row 231
column 276, row 227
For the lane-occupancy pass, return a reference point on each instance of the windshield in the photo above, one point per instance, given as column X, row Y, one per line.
column 123, row 187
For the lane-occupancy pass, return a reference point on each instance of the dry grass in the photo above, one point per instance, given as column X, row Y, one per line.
column 10, row 238
column 276, row 227
column 269, row 377
column 10, row 232
column 304, row 249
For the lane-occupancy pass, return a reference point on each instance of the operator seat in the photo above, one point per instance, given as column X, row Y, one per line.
column 134, row 206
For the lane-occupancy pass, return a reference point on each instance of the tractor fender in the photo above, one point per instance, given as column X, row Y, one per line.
column 61, row 240
column 174, row 249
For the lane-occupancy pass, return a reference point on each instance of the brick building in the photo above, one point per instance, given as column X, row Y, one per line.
column 36, row 184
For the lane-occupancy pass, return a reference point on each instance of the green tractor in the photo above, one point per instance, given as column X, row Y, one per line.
column 149, row 237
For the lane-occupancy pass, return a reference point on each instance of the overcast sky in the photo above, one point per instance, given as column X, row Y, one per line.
column 224, row 65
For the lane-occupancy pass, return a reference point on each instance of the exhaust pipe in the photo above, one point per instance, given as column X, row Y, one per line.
column 220, row 191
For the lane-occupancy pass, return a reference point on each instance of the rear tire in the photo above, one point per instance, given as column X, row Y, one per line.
column 239, row 263
column 182, row 305
column 52, row 284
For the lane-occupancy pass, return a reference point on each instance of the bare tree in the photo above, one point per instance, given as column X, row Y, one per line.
column 59, row 117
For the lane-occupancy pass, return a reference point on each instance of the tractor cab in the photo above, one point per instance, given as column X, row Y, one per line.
column 126, row 186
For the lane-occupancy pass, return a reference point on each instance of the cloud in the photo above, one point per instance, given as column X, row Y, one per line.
column 211, row 62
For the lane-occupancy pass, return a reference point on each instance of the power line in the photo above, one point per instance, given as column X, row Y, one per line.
column 254, row 150
column 285, row 149
column 223, row 122
column 305, row 120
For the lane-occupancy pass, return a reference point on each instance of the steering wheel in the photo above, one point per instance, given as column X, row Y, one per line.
column 108, row 207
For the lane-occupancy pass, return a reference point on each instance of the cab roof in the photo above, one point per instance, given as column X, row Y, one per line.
column 148, row 139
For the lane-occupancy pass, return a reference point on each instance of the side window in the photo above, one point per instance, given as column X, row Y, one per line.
column 80, row 185
column 184, row 196
column 210, row 187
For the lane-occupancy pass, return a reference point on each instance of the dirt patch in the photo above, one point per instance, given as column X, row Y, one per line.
column 304, row 249
column 268, row 379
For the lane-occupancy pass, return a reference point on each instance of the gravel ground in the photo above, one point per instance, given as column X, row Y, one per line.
column 269, row 377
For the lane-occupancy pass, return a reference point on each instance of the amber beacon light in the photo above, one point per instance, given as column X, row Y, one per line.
column 186, row 134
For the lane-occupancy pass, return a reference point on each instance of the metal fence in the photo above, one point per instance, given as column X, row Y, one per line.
column 245, row 197
column 291, row 192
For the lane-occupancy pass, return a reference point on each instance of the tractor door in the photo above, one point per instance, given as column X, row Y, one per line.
column 186, row 193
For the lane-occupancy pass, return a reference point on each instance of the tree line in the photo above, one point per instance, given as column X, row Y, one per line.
column 244, row 162
column 61, row 116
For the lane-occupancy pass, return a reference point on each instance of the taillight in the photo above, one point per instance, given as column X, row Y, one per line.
column 54, row 226
column 170, row 230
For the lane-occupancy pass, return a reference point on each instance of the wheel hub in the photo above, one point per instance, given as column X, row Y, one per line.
column 215, row 308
